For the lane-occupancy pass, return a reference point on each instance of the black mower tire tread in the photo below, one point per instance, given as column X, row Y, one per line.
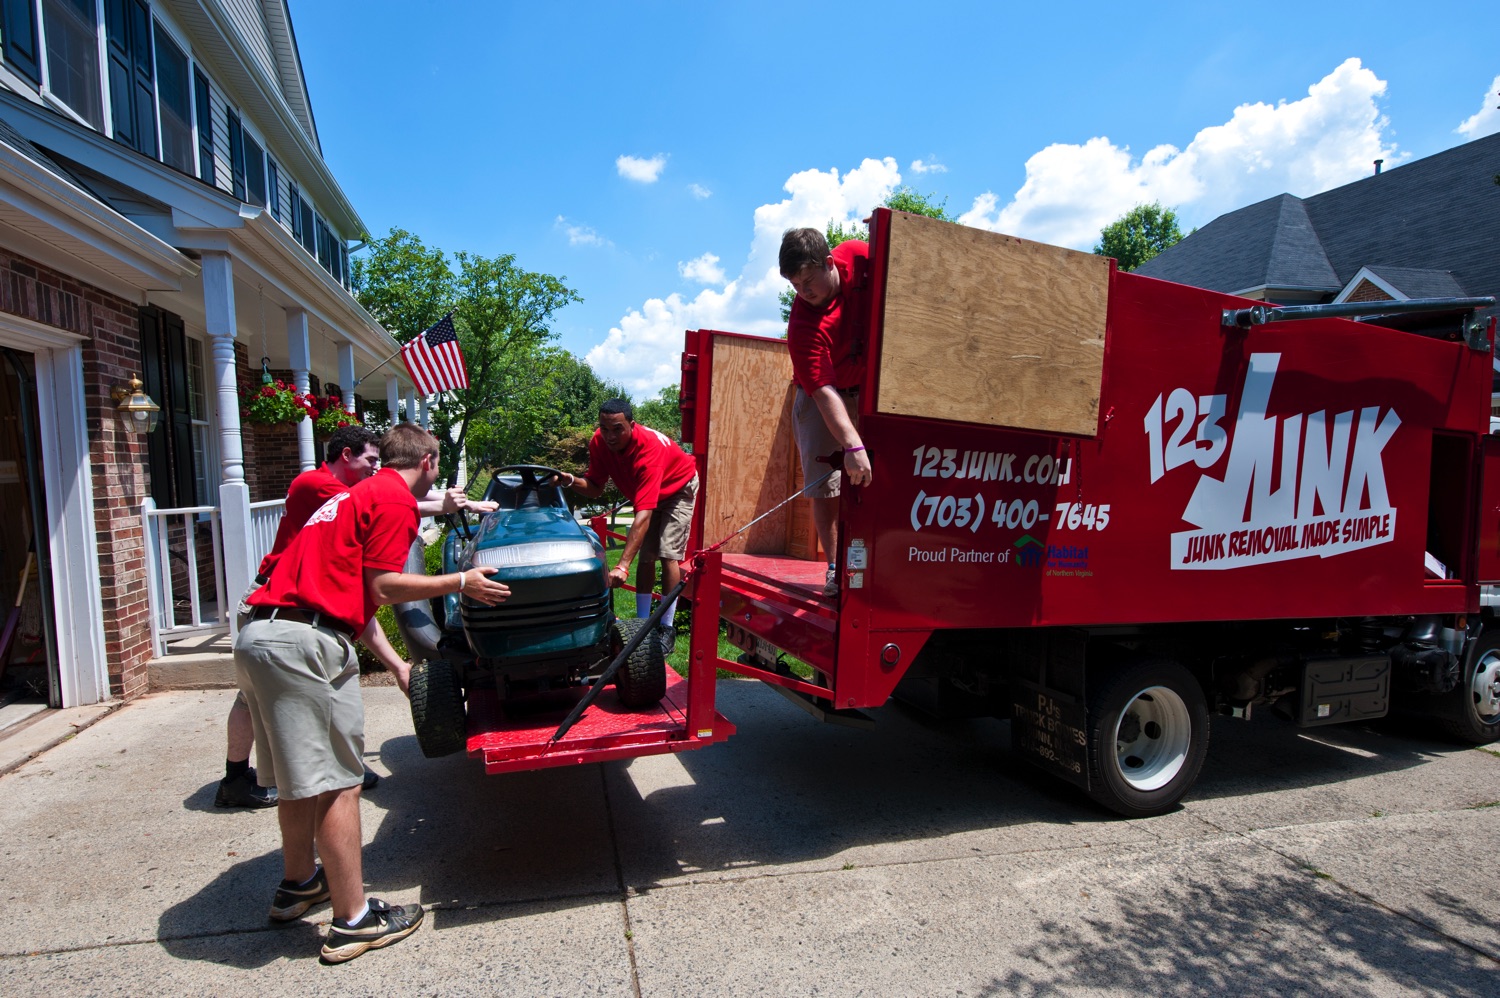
column 437, row 708
column 642, row 679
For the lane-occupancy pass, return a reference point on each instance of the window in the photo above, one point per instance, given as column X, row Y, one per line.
column 72, row 33
column 236, row 156
column 19, row 26
column 255, row 171
column 205, row 128
column 176, row 104
column 325, row 246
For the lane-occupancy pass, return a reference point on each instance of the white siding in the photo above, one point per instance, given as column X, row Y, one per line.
column 250, row 23
column 219, row 112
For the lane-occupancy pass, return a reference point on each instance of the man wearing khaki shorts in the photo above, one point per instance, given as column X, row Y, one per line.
column 825, row 336
column 661, row 481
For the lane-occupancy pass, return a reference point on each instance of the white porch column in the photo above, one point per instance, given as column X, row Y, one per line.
column 234, row 493
column 411, row 405
column 299, row 348
column 426, row 417
column 393, row 398
column 346, row 373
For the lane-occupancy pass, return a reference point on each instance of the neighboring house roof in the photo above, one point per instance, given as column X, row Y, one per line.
column 1437, row 214
column 1416, row 282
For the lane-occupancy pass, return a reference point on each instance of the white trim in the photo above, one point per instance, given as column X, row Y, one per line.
column 68, row 487
column 1366, row 274
column 77, row 600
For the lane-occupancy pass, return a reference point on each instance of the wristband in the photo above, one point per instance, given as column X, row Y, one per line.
column 851, row 450
column 460, row 582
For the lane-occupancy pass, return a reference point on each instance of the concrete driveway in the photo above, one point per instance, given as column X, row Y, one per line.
column 795, row 859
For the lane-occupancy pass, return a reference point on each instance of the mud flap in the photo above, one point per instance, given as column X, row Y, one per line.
column 1049, row 720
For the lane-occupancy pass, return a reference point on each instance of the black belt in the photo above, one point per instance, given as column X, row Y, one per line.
column 261, row 580
column 301, row 616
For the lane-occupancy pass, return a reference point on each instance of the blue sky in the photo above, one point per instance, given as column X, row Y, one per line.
column 652, row 153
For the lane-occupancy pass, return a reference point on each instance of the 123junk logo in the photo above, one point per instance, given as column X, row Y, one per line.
column 1304, row 485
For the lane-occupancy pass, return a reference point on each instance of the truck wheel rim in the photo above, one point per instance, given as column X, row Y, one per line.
column 1486, row 687
column 1152, row 738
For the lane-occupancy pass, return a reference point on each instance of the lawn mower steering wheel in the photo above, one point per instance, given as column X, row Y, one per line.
column 531, row 474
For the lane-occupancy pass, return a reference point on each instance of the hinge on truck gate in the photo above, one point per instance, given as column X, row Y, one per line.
column 1475, row 330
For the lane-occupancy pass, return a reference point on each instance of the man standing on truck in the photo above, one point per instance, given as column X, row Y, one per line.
column 826, row 338
column 352, row 455
column 296, row 665
column 661, row 481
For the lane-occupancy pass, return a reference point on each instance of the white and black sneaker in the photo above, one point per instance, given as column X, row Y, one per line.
column 831, row 581
column 294, row 900
column 666, row 635
column 382, row 925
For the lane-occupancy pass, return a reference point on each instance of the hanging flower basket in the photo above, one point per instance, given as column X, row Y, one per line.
column 274, row 404
column 330, row 414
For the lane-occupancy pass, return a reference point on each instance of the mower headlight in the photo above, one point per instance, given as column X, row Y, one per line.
column 536, row 553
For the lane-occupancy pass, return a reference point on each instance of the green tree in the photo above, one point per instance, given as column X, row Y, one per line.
column 1139, row 234
column 403, row 284
column 903, row 198
column 663, row 412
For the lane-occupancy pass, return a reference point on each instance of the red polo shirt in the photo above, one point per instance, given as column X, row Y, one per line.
column 309, row 490
column 651, row 466
column 828, row 344
column 323, row 569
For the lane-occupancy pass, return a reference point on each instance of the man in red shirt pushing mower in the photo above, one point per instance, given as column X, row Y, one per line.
column 661, row 481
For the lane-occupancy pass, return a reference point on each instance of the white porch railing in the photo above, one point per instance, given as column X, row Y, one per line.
column 174, row 542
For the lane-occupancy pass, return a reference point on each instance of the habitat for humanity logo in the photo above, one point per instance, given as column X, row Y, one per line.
column 1064, row 559
column 1029, row 551
column 1329, row 496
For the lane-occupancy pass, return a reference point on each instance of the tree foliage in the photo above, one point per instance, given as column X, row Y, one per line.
column 502, row 314
column 663, row 412
column 1139, row 234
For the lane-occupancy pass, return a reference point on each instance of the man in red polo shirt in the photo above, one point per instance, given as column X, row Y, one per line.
column 825, row 335
column 352, row 455
column 661, row 481
column 296, row 664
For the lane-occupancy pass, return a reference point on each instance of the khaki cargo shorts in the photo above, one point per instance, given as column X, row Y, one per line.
column 815, row 440
column 302, row 686
column 667, row 537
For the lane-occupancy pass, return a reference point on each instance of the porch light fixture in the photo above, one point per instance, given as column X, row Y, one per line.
column 136, row 410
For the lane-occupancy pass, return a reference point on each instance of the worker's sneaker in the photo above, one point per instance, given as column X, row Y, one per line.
column 371, row 778
column 667, row 635
column 242, row 791
column 381, row 926
column 831, row 581
column 293, row 900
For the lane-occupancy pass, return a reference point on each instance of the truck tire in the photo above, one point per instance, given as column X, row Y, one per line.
column 1471, row 712
column 437, row 708
column 642, row 679
column 1148, row 736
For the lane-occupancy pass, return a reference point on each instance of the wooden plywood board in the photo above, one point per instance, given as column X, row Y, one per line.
column 751, row 445
column 986, row 328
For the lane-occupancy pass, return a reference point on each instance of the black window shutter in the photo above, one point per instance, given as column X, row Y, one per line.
column 255, row 171
column 273, row 188
column 19, row 27
column 127, row 30
column 180, row 408
column 205, row 127
column 158, row 441
column 237, row 156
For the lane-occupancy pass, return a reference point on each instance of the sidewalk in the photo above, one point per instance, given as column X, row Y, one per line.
column 794, row 859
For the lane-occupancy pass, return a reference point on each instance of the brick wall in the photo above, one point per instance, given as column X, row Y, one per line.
column 111, row 355
column 1367, row 292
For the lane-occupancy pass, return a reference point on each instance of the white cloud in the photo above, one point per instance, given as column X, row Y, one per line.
column 580, row 235
column 1330, row 137
column 704, row 270
column 1485, row 121
column 642, row 171
column 643, row 351
column 920, row 166
column 699, row 191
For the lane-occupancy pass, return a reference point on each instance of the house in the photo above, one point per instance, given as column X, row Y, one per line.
column 1421, row 230
column 165, row 214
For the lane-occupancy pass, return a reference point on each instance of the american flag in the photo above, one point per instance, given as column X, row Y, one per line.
column 434, row 359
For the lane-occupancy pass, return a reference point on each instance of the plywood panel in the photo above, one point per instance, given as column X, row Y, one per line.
column 750, row 445
column 986, row 328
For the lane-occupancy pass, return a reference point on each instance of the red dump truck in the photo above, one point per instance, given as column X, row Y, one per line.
column 1104, row 507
